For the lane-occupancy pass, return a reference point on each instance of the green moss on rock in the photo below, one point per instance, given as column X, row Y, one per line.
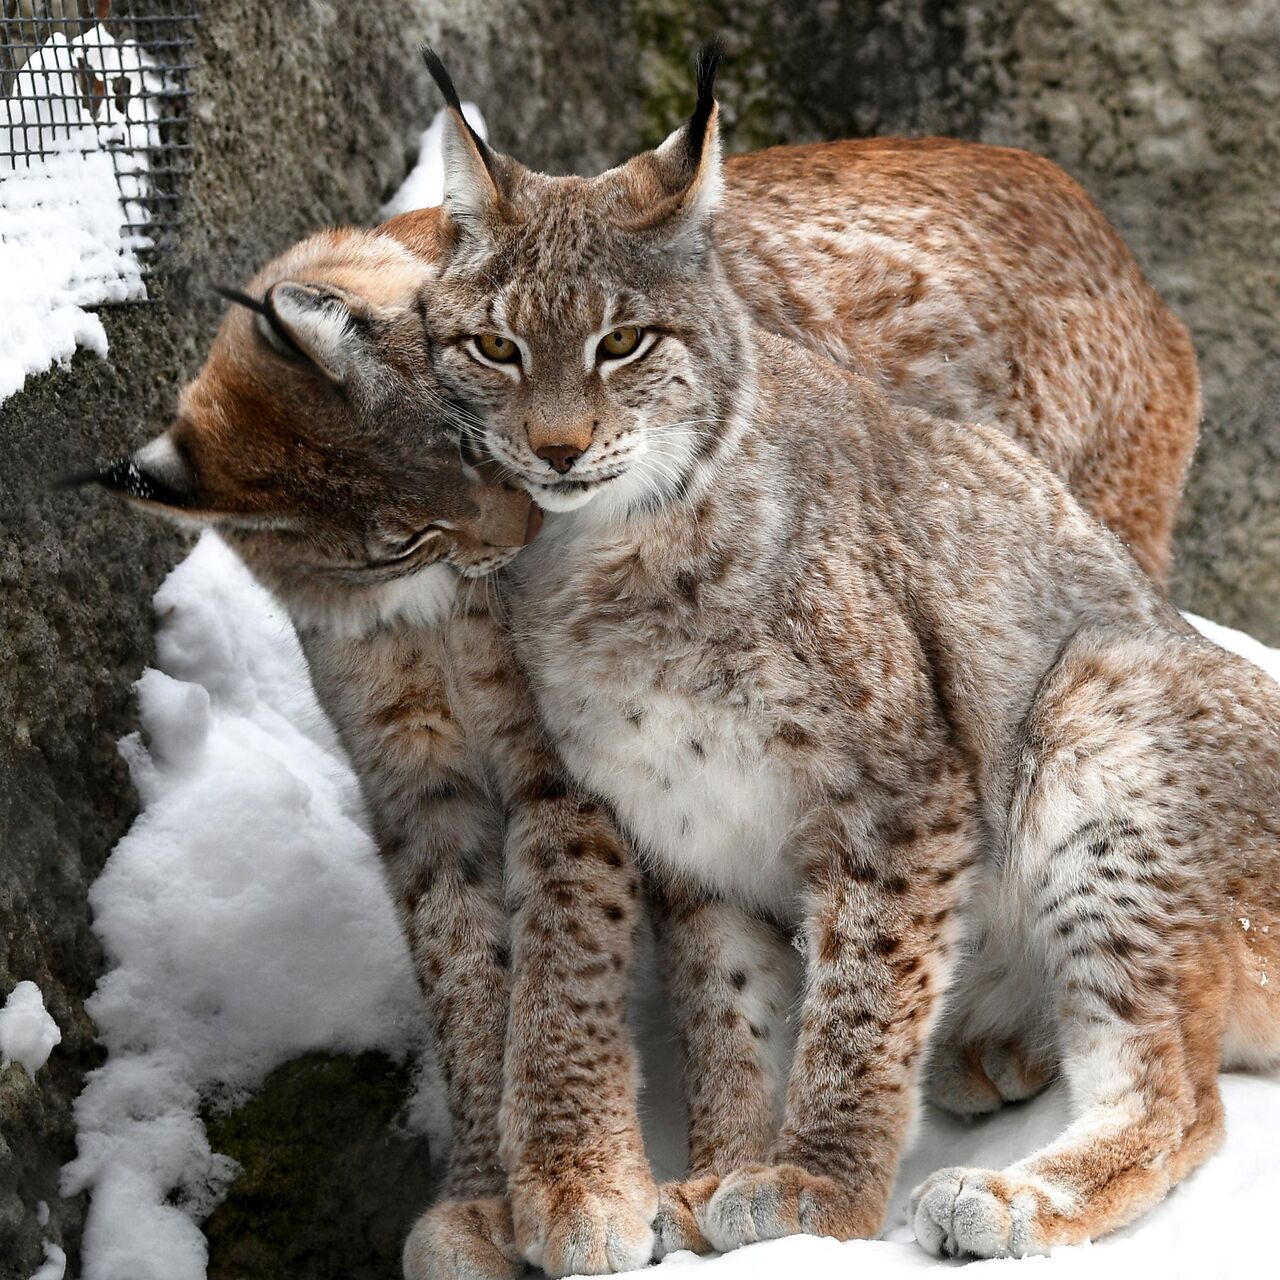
column 330, row 1184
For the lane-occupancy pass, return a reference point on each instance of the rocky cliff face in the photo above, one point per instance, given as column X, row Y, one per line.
column 1166, row 110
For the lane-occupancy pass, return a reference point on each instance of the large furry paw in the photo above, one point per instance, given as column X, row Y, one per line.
column 771, row 1201
column 971, row 1079
column 569, row 1227
column 681, row 1208
column 463, row 1240
column 979, row 1213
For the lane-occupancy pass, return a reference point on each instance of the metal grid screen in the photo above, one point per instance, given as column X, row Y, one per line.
column 84, row 78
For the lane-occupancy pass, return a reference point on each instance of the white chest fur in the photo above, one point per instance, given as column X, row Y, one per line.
column 692, row 784
column 688, row 773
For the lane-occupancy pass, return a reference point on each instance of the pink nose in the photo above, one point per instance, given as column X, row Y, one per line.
column 561, row 456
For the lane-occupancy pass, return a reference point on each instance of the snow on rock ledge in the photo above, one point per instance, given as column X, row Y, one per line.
column 244, row 918
column 28, row 1032
column 63, row 247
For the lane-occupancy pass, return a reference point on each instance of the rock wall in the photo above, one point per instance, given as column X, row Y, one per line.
column 305, row 114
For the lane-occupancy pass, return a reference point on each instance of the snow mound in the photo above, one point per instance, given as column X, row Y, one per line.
column 28, row 1032
column 73, row 145
column 54, row 1266
column 244, row 918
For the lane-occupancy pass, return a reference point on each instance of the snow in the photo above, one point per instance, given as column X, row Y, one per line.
column 1237, row 642
column 28, row 1032
column 244, row 918
column 63, row 248
column 424, row 187
column 54, row 1266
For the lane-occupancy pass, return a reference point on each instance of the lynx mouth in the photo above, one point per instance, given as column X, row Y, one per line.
column 481, row 567
column 568, row 494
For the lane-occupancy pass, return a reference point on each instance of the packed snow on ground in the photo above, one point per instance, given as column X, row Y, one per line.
column 63, row 248
column 54, row 1266
column 28, row 1032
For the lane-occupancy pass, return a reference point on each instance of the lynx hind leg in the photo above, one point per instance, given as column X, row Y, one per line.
column 463, row 1240
column 732, row 979
column 1105, row 874
column 976, row 1077
column 993, row 1044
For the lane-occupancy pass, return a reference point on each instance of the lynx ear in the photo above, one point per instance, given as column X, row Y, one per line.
column 323, row 326
column 326, row 325
column 473, row 173
column 676, row 188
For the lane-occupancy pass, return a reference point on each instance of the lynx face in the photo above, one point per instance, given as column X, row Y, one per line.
column 315, row 440
column 588, row 319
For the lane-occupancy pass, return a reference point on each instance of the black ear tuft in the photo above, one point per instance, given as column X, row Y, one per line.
column 267, row 312
column 241, row 299
column 440, row 74
column 444, row 82
column 74, row 480
column 706, row 64
column 126, row 478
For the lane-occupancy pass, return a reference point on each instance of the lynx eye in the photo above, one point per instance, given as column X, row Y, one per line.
column 619, row 342
column 493, row 346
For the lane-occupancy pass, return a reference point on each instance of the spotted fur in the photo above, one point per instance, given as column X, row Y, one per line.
column 849, row 666
column 316, row 440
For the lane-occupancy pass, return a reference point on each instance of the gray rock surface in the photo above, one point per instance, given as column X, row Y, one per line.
column 1167, row 110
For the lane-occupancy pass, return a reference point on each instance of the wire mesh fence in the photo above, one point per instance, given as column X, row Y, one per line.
column 91, row 88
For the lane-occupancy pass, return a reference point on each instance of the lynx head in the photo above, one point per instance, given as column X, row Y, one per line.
column 315, row 440
column 588, row 319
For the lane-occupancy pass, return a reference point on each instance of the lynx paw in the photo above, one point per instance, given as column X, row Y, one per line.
column 463, row 1240
column 970, row 1079
column 568, row 1227
column 979, row 1213
column 777, row 1200
column 681, row 1207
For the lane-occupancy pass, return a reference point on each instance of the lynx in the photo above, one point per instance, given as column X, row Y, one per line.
column 842, row 664
column 316, row 441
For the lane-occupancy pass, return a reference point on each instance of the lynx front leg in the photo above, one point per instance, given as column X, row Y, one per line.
column 448, row 880
column 464, row 1240
column 730, row 977
column 880, row 937
column 447, row 877
column 582, row 1194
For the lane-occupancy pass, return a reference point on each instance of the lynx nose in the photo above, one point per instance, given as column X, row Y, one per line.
column 561, row 456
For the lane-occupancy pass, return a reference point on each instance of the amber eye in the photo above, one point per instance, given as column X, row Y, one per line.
column 619, row 342
column 493, row 346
